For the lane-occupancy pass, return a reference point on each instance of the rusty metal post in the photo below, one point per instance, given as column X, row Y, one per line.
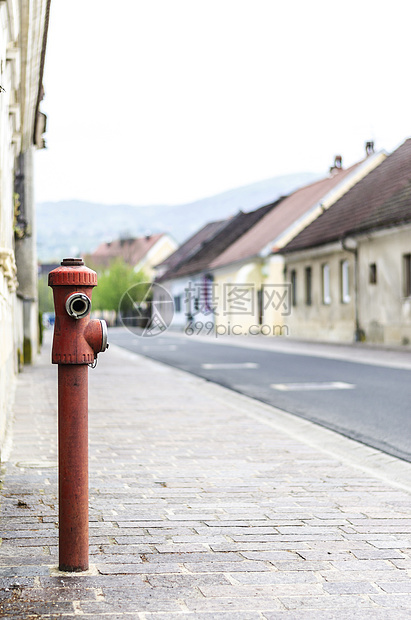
column 76, row 342
column 73, row 466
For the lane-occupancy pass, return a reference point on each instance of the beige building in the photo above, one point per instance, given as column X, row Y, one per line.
column 350, row 270
column 23, row 33
column 254, row 263
column 186, row 274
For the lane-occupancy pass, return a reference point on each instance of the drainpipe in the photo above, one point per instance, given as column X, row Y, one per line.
column 351, row 245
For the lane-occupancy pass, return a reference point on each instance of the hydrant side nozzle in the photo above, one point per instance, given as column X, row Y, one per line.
column 104, row 345
column 95, row 335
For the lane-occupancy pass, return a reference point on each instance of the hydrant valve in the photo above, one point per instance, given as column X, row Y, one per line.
column 75, row 341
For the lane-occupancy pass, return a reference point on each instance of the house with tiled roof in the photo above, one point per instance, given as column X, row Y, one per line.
column 252, row 264
column 186, row 273
column 188, row 249
column 143, row 253
column 350, row 270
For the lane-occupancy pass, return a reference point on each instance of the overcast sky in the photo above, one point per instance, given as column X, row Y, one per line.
column 168, row 101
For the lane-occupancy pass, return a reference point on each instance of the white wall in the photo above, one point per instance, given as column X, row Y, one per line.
column 385, row 312
column 188, row 290
column 21, row 38
column 333, row 321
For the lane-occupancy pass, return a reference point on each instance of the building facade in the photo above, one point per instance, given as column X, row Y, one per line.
column 350, row 270
column 253, row 266
column 23, row 35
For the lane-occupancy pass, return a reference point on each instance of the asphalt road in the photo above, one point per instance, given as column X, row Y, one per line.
column 363, row 401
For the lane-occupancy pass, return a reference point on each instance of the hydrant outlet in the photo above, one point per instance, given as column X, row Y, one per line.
column 78, row 305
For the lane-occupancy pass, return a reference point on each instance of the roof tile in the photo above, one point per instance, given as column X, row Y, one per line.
column 131, row 250
column 280, row 219
column 232, row 229
column 380, row 199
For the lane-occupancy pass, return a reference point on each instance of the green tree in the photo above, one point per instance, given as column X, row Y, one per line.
column 113, row 282
column 45, row 295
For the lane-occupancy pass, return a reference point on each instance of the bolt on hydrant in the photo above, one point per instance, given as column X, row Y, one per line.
column 76, row 342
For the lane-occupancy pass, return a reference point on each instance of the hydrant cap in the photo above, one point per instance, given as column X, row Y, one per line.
column 72, row 272
column 72, row 262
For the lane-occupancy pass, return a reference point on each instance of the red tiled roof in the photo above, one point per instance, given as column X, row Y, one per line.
column 192, row 245
column 379, row 200
column 278, row 220
column 233, row 229
column 132, row 250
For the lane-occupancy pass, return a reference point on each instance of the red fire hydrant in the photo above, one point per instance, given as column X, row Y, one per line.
column 77, row 341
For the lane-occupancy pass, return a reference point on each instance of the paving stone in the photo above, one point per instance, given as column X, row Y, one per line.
column 357, row 587
column 364, row 575
column 219, row 615
column 61, row 594
column 332, row 614
column 140, row 569
column 371, row 565
column 225, row 567
column 400, row 601
column 184, row 548
column 143, row 603
column 331, row 602
column 301, row 564
column 263, row 591
column 271, row 546
column 274, row 577
column 232, row 604
column 23, row 571
column 35, row 609
column 94, row 581
column 186, row 580
column 378, row 554
column 404, row 564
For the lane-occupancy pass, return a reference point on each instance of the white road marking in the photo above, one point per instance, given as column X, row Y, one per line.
column 301, row 387
column 229, row 366
column 168, row 347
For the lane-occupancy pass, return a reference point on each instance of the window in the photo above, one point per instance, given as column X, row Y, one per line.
column 407, row 275
column 326, row 284
column 345, row 282
column 260, row 306
column 293, row 287
column 372, row 272
column 177, row 303
column 308, row 286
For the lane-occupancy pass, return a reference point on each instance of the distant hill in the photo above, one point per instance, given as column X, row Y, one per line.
column 75, row 228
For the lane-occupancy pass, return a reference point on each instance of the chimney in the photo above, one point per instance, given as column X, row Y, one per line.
column 369, row 148
column 337, row 163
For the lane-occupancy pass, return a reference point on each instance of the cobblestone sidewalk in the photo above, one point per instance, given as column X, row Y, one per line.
column 201, row 506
